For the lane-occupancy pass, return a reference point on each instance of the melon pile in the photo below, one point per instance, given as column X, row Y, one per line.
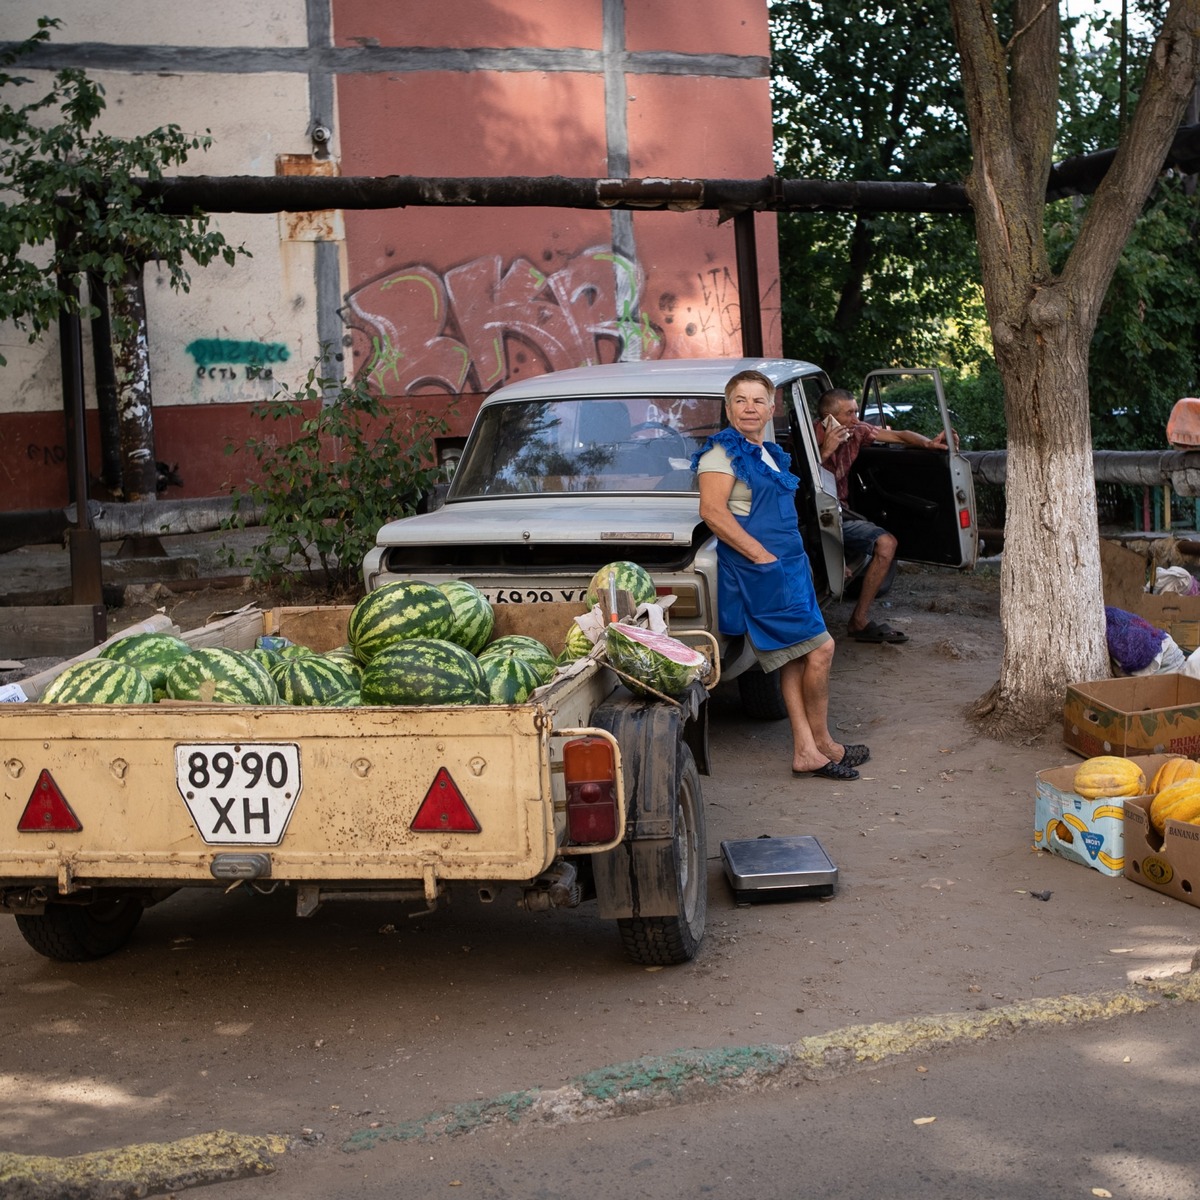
column 1175, row 786
column 407, row 643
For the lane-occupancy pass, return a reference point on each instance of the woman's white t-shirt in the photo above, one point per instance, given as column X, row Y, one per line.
column 717, row 460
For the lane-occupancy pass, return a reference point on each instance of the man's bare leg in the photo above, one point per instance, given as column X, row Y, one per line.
column 881, row 560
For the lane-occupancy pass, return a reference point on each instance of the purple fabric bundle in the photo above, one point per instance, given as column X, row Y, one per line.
column 1133, row 643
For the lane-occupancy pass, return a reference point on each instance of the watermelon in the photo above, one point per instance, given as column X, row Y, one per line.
column 510, row 678
column 407, row 608
column 350, row 698
column 219, row 676
column 151, row 653
column 575, row 645
column 655, row 658
column 311, row 679
column 629, row 578
column 536, row 653
column 99, row 681
column 344, row 657
column 474, row 617
column 292, row 650
column 423, row 671
column 264, row 657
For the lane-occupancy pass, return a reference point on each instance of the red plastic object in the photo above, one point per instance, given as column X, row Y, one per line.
column 1183, row 425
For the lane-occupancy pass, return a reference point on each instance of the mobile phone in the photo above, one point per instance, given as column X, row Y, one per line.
column 829, row 421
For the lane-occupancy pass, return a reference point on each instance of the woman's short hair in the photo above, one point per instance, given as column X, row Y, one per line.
column 749, row 377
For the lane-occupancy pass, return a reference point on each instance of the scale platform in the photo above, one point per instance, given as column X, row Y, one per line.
column 778, row 868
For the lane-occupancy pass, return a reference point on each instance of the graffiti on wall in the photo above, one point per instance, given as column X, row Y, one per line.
column 479, row 325
column 220, row 358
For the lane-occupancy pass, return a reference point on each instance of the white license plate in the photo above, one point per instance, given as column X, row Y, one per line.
column 534, row 595
column 239, row 793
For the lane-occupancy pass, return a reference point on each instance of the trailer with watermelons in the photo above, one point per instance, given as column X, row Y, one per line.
column 403, row 749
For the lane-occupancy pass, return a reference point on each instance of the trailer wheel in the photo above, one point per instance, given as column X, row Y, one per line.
column 82, row 932
column 761, row 695
column 666, row 941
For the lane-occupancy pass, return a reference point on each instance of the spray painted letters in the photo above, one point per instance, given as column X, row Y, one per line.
column 478, row 326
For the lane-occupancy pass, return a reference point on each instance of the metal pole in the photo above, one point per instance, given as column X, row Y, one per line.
column 746, row 251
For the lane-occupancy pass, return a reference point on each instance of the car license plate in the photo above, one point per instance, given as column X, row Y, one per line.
column 239, row 793
column 534, row 595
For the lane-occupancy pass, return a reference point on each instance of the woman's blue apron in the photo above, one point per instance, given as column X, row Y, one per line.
column 774, row 603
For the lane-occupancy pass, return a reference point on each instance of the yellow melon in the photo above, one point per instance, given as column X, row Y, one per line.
column 1179, row 802
column 1174, row 770
column 1107, row 775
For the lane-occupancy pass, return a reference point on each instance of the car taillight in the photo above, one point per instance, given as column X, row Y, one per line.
column 48, row 810
column 687, row 599
column 590, row 773
column 444, row 810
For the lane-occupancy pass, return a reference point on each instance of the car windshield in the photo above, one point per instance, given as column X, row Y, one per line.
column 625, row 444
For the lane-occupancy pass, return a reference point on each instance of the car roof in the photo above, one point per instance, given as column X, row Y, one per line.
column 676, row 376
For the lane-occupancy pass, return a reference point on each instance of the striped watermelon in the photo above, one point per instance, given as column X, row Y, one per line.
column 311, row 679
column 654, row 658
column 510, row 678
column 264, row 657
column 344, row 657
column 575, row 645
column 151, row 653
column 629, row 578
column 407, row 608
column 536, row 653
column 423, row 671
column 219, row 676
column 292, row 650
column 99, row 681
column 474, row 617
column 350, row 698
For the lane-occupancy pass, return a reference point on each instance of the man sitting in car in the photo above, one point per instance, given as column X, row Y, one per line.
column 840, row 436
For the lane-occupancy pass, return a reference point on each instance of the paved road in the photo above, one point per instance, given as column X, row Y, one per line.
column 1092, row 1110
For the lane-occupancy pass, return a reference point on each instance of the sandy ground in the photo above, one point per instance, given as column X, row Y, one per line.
column 228, row 1012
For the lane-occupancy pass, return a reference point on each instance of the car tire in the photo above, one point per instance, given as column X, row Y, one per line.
column 82, row 932
column 761, row 695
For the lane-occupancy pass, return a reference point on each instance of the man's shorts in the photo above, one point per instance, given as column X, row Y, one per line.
column 859, row 538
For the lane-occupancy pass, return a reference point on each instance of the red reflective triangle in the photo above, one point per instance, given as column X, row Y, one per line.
column 444, row 810
column 48, row 810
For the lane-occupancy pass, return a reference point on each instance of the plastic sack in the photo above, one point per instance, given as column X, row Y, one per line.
column 1176, row 580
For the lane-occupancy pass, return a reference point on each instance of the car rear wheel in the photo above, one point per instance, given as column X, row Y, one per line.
column 82, row 932
column 761, row 695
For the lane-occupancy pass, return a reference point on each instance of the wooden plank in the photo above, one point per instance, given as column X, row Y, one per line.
column 319, row 627
column 50, row 631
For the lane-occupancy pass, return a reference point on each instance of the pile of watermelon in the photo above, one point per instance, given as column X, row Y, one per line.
column 407, row 643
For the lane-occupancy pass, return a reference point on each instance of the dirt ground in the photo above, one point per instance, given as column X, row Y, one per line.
column 229, row 1012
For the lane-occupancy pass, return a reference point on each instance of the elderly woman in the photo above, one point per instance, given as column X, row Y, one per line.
column 764, row 584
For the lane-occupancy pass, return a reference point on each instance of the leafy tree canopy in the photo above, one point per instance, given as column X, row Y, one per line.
column 69, row 195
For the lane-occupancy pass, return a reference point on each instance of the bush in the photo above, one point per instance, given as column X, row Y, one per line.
column 325, row 493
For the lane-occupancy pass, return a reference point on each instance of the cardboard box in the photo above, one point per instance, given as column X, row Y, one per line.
column 1142, row 714
column 1125, row 574
column 1091, row 832
column 1169, row 863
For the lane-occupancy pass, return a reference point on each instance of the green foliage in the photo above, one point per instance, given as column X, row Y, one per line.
column 72, row 189
column 871, row 93
column 325, row 492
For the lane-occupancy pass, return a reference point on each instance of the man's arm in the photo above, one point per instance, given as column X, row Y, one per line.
column 909, row 437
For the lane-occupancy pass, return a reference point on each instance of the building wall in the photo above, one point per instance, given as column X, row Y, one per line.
column 434, row 302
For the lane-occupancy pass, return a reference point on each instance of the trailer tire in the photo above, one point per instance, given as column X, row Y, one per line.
column 82, row 932
column 667, row 941
column 761, row 695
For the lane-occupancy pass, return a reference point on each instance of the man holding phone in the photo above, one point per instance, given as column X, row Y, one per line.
column 840, row 436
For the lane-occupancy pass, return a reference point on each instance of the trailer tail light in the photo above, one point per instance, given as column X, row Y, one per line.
column 48, row 810
column 589, row 769
column 964, row 518
column 444, row 810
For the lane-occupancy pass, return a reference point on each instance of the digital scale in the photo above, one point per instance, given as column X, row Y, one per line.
column 778, row 868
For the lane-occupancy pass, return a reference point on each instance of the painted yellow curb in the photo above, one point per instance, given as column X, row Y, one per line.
column 144, row 1170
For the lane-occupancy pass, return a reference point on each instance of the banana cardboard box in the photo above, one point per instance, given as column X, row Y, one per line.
column 1091, row 832
column 1167, row 862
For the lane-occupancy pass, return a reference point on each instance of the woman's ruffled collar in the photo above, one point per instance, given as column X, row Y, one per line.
column 746, row 459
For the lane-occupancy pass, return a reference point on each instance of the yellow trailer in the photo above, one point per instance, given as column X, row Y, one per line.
column 583, row 791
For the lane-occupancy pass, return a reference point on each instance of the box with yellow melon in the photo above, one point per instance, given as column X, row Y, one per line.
column 1080, row 811
column 1162, row 833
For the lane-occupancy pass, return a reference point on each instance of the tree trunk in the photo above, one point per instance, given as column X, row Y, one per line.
column 131, row 360
column 1051, row 600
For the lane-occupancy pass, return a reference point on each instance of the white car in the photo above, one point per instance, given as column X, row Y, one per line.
column 565, row 472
